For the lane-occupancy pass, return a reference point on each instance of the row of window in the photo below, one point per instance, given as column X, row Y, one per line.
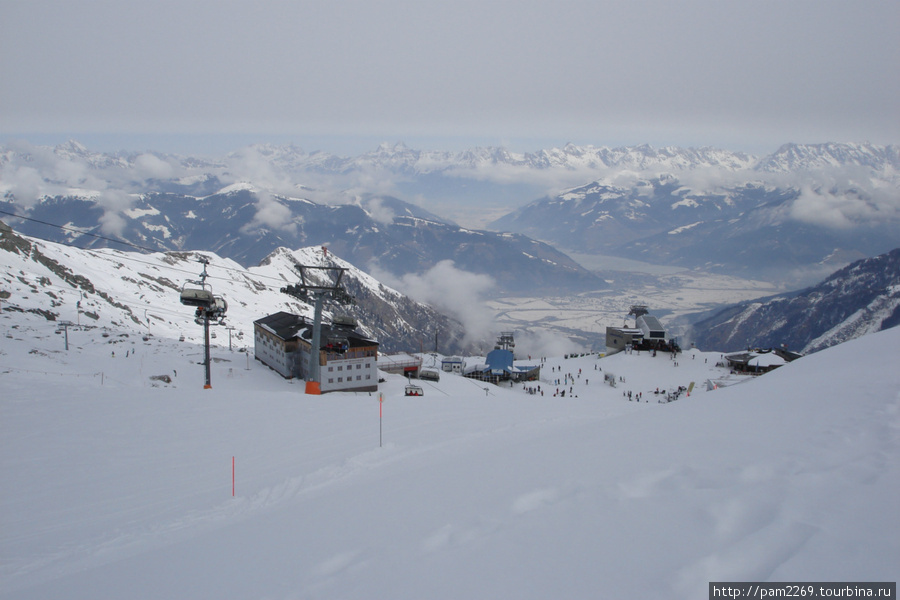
column 349, row 367
column 349, row 379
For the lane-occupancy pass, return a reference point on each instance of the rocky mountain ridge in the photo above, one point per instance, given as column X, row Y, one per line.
column 246, row 225
column 131, row 292
column 860, row 298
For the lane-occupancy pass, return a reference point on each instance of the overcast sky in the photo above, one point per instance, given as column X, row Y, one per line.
column 345, row 75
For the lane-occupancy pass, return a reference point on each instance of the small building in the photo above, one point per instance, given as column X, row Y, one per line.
column 622, row 338
column 276, row 342
column 754, row 361
column 347, row 359
column 400, row 364
column 500, row 365
column 452, row 364
column 647, row 333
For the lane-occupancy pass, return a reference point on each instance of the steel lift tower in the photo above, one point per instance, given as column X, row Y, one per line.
column 209, row 307
column 317, row 290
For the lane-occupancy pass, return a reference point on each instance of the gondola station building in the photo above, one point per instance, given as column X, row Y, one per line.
column 347, row 359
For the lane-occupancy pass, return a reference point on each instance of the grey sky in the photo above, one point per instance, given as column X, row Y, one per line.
column 742, row 75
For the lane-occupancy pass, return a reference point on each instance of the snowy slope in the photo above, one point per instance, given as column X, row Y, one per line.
column 120, row 486
column 139, row 293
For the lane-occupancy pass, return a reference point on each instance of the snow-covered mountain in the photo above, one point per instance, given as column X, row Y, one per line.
column 139, row 293
column 754, row 229
column 811, row 157
column 403, row 159
column 268, row 164
column 859, row 299
column 245, row 224
column 804, row 207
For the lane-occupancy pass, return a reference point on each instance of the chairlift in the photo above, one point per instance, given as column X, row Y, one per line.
column 199, row 295
column 414, row 390
column 344, row 321
column 429, row 375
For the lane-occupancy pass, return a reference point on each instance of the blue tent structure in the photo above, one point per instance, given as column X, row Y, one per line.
column 500, row 367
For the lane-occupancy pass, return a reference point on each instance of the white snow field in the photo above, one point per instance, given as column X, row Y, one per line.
column 115, row 485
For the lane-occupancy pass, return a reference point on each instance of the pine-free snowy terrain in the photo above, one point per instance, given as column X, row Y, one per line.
column 117, row 485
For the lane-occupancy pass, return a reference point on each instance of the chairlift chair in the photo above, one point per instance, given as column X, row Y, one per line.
column 344, row 321
column 219, row 307
column 199, row 295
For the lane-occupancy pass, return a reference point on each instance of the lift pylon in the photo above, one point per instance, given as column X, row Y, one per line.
column 209, row 307
column 312, row 288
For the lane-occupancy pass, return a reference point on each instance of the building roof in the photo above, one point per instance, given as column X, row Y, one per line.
column 288, row 326
column 282, row 324
column 756, row 358
column 768, row 359
column 627, row 330
column 500, row 361
column 651, row 322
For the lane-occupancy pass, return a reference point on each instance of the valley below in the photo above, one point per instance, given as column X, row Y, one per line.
column 670, row 293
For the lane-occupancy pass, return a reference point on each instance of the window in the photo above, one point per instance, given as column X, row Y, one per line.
column 340, row 380
column 330, row 369
column 331, row 380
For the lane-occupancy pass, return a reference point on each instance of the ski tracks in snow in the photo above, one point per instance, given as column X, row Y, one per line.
column 114, row 546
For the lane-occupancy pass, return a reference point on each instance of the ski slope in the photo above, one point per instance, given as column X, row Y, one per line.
column 118, row 485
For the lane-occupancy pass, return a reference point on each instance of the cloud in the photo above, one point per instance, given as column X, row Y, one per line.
column 148, row 166
column 25, row 184
column 270, row 212
column 253, row 165
column 456, row 293
column 846, row 206
column 113, row 203
column 379, row 212
column 544, row 343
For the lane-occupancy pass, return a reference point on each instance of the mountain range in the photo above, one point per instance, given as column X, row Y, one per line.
column 753, row 230
column 792, row 215
column 131, row 291
column 246, row 225
column 115, row 289
column 860, row 298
